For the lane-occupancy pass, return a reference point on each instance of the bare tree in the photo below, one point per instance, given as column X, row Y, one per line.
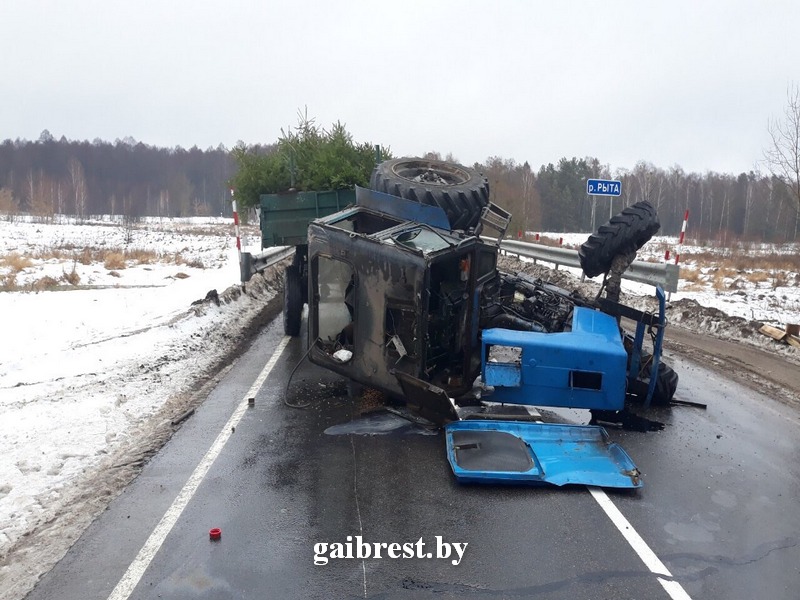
column 41, row 198
column 9, row 206
column 78, row 180
column 783, row 154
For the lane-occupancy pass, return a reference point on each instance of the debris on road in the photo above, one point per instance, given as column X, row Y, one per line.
column 789, row 334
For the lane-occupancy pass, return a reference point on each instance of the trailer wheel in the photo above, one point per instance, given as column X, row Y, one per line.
column 300, row 262
column 292, row 301
column 626, row 232
column 460, row 191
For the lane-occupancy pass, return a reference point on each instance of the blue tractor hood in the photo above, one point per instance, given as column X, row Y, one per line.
column 516, row 452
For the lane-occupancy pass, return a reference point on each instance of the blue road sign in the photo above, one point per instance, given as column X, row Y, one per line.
column 603, row 187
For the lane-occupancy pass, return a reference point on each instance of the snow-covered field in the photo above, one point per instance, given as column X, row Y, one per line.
column 86, row 369
column 758, row 294
column 100, row 338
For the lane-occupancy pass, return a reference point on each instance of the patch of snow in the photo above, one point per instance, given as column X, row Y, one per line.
column 84, row 369
column 775, row 300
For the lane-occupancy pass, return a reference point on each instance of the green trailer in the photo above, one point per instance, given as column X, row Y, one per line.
column 284, row 218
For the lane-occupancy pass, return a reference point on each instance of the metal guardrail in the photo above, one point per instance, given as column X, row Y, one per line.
column 251, row 264
column 665, row 275
column 655, row 274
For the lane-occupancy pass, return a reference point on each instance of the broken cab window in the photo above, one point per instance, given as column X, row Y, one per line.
column 336, row 306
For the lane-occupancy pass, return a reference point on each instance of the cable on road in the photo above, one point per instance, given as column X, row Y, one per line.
column 297, row 366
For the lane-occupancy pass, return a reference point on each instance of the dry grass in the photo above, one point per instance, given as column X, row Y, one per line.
column 744, row 261
column 72, row 277
column 114, row 261
column 779, row 279
column 181, row 275
column 85, row 257
column 141, row 256
column 691, row 275
column 694, row 286
column 15, row 262
column 758, row 277
column 52, row 254
column 212, row 230
column 43, row 284
column 734, row 271
column 718, row 280
column 111, row 258
column 8, row 282
column 179, row 259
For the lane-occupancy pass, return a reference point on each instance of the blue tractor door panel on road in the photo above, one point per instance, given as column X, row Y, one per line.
column 517, row 452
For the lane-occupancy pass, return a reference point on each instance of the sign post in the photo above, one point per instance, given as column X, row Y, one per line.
column 603, row 187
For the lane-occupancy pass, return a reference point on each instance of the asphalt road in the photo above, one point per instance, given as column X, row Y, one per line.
column 719, row 507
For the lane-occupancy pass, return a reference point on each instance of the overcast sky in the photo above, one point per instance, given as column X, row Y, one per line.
column 671, row 82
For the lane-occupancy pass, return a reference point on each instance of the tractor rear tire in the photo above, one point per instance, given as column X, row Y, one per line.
column 626, row 232
column 292, row 301
column 460, row 191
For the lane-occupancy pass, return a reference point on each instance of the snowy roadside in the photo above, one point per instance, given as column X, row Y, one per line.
column 102, row 348
column 725, row 303
column 91, row 375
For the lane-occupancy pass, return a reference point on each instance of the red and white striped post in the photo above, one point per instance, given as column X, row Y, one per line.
column 683, row 234
column 680, row 244
column 238, row 234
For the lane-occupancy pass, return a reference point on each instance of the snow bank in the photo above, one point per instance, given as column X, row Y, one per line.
column 88, row 374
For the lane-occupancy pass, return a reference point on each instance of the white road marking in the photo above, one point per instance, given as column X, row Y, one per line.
column 139, row 565
column 649, row 558
column 358, row 511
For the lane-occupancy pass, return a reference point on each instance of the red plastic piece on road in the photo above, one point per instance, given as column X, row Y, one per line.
column 215, row 533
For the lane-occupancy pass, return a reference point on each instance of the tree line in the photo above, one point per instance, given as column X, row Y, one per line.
column 751, row 206
column 49, row 176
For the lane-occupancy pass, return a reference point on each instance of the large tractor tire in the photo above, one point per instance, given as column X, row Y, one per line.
column 626, row 232
column 460, row 191
column 666, row 384
column 292, row 301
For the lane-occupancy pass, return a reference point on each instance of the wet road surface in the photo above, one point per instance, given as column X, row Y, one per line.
column 719, row 507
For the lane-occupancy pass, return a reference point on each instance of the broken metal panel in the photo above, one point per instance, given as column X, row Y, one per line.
column 581, row 368
column 537, row 453
column 386, row 284
column 415, row 299
column 426, row 400
column 406, row 210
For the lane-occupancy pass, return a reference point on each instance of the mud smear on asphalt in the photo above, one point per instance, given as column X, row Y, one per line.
column 380, row 423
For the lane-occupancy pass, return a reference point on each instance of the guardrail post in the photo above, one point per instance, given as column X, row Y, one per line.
column 238, row 239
